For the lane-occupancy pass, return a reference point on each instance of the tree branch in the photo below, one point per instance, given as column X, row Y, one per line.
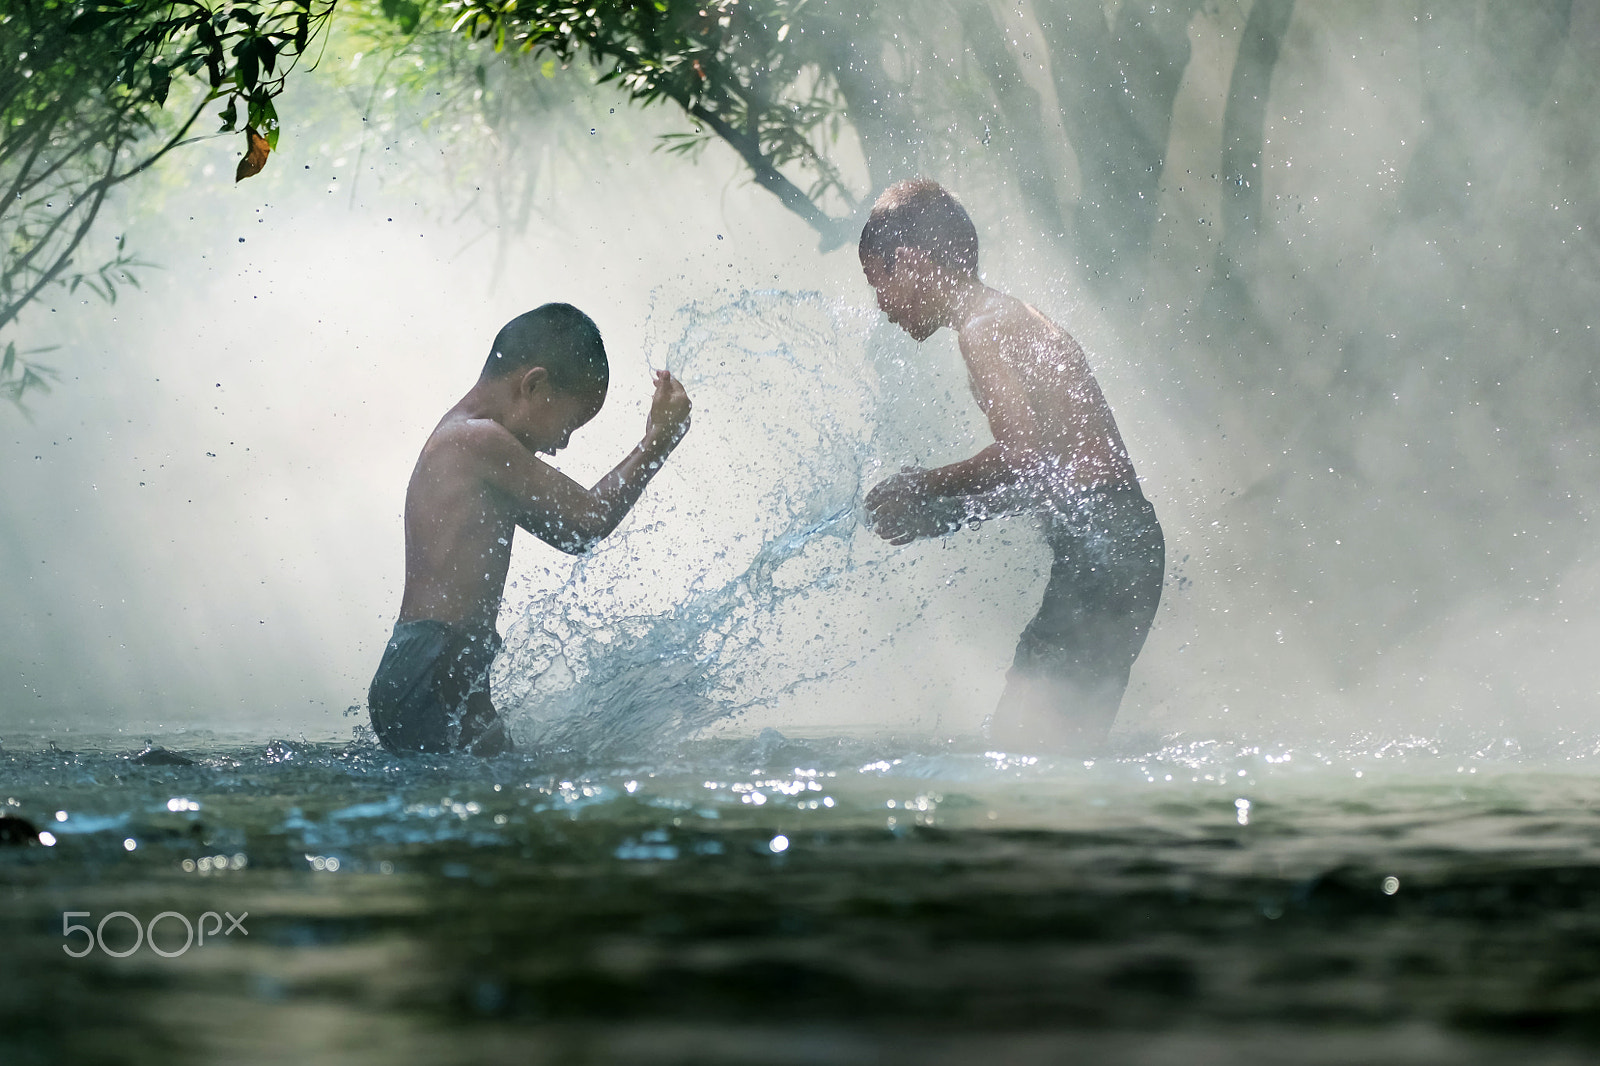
column 833, row 231
column 175, row 141
column 98, row 190
column 9, row 314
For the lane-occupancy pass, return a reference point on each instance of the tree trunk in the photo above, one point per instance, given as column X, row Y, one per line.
column 1244, row 131
column 1243, row 139
column 1023, row 136
column 1507, row 56
column 890, row 134
column 1116, row 85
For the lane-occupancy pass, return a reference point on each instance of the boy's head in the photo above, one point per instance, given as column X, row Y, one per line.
column 553, row 363
column 916, row 231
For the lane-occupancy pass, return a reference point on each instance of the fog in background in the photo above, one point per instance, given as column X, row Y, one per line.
column 1383, row 529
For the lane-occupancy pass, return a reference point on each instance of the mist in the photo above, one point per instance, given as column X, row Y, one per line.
column 1375, row 481
column 203, row 519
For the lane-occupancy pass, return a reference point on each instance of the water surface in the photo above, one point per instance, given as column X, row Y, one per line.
column 837, row 900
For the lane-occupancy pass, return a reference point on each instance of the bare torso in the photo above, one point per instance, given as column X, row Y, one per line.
column 1015, row 353
column 480, row 478
column 458, row 533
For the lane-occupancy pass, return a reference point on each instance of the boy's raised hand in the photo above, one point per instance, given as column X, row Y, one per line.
column 669, row 413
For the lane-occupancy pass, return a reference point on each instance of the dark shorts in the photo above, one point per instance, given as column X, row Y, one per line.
column 431, row 691
column 1072, row 662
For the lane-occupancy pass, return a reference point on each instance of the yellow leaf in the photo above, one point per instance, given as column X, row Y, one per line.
column 255, row 156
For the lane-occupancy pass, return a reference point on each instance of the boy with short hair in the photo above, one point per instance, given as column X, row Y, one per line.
column 1057, row 453
column 478, row 478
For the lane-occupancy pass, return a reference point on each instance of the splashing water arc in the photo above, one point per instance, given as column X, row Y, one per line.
column 746, row 583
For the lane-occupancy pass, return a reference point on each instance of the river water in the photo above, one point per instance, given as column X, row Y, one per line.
column 829, row 900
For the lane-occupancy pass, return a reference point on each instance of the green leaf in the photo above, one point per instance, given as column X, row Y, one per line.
column 403, row 13
column 264, row 117
column 160, row 83
column 92, row 20
column 9, row 361
column 249, row 68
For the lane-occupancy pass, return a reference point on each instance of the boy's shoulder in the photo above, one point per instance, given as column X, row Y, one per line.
column 459, row 431
column 1005, row 318
column 471, row 440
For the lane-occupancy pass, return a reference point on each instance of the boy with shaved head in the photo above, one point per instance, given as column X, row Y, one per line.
column 478, row 478
column 1056, row 453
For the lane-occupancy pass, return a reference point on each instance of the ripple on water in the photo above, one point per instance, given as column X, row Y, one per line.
column 1213, row 888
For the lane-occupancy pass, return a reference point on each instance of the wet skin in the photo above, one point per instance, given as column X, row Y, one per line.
column 1052, row 428
column 480, row 476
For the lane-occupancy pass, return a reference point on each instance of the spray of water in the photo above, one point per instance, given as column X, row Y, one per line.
column 746, row 587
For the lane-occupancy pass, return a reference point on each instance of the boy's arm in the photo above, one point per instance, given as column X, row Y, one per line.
column 914, row 503
column 919, row 503
column 994, row 467
column 564, row 514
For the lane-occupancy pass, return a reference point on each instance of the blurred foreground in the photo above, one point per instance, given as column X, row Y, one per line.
column 823, row 901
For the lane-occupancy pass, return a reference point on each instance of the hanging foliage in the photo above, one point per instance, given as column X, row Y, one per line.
column 85, row 107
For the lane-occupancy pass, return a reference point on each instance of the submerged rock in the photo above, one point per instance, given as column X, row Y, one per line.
column 14, row 830
column 154, row 756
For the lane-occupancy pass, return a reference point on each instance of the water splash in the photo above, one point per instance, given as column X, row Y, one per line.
column 745, row 580
column 690, row 614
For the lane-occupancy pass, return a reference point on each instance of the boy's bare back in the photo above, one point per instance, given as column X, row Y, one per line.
column 458, row 530
column 1054, row 433
column 1033, row 384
